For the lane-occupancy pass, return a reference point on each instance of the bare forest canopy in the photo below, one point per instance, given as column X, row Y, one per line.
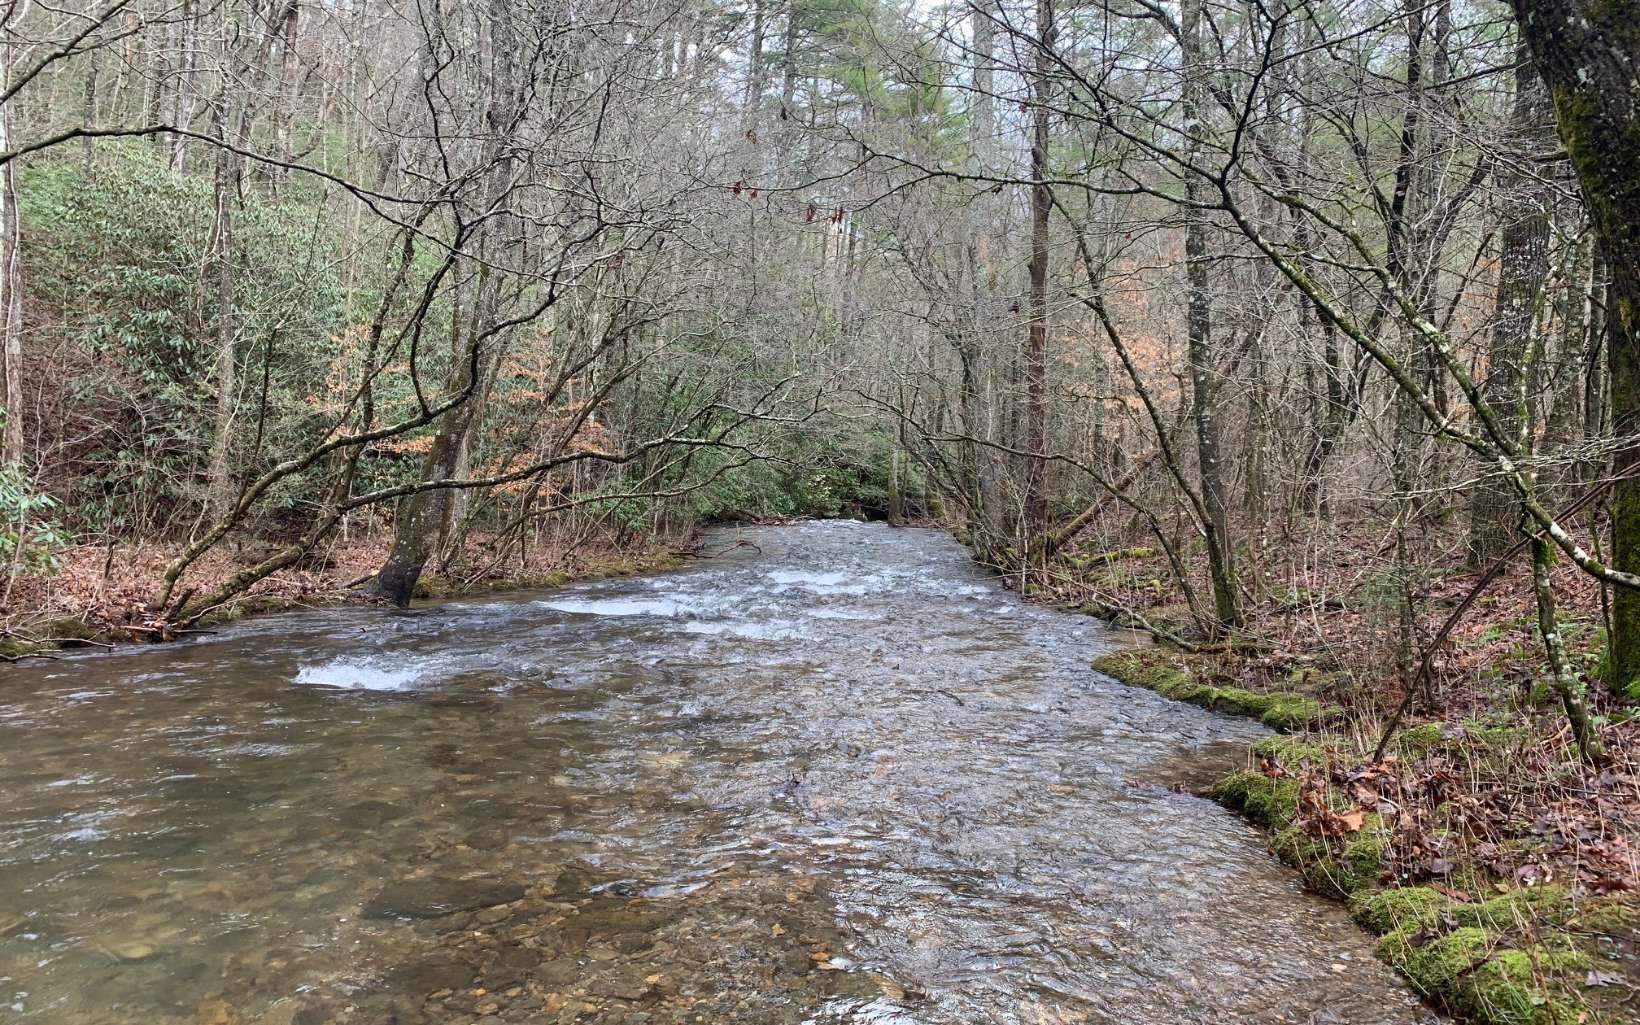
column 1198, row 274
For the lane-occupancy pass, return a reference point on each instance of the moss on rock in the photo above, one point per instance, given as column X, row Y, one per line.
column 1267, row 801
column 1473, row 973
column 1398, row 907
column 17, row 647
column 1473, row 958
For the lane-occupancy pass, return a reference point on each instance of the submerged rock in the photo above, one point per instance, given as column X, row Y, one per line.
column 628, row 983
column 434, row 972
column 132, row 951
column 436, row 897
column 370, row 814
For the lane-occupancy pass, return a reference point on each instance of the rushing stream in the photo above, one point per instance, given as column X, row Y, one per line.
column 830, row 775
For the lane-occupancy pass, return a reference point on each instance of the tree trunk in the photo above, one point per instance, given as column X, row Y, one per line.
column 1494, row 506
column 284, row 112
column 227, row 378
column 753, row 101
column 1199, row 330
column 231, row 118
column 183, row 112
column 1587, row 52
column 788, row 89
column 1036, row 351
column 426, row 518
column 11, row 302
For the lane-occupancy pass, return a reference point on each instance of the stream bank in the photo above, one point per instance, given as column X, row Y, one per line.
column 1483, row 913
column 100, row 598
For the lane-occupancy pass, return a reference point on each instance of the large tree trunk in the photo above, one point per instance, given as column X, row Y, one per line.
column 1199, row 330
column 786, row 134
column 284, row 110
column 421, row 516
column 1587, row 51
column 1494, row 506
column 752, row 103
column 426, row 518
column 1036, row 350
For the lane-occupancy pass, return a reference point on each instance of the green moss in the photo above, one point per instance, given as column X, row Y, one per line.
column 1324, row 872
column 1112, row 556
column 1471, row 973
column 1152, row 668
column 1398, row 907
column 1416, row 740
column 1170, row 674
column 1290, row 751
column 16, row 647
column 1610, row 913
column 1494, row 737
column 1365, row 854
column 1537, row 906
column 69, row 628
column 1269, row 802
column 1507, row 960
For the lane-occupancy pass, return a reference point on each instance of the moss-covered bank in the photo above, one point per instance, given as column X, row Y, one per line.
column 1177, row 676
column 1487, row 950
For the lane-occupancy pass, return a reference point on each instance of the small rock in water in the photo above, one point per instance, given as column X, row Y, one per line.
column 561, row 972
column 486, row 840
column 132, row 951
column 290, row 1012
column 370, row 814
column 624, row 984
column 435, row 972
column 215, row 1012
column 436, row 897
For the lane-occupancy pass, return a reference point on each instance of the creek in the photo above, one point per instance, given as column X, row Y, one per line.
column 828, row 774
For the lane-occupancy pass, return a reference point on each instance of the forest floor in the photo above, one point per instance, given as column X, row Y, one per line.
column 1502, row 873
column 101, row 595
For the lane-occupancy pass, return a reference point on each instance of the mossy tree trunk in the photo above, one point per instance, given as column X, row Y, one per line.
column 427, row 518
column 1568, row 687
column 1587, row 52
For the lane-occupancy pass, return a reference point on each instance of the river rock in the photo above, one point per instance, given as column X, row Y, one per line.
column 290, row 1011
column 630, row 983
column 558, row 973
column 436, row 897
column 486, row 840
column 133, row 951
column 433, row 972
column 215, row 1012
column 513, row 964
column 370, row 814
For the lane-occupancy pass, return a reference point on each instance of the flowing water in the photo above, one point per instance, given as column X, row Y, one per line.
column 830, row 774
